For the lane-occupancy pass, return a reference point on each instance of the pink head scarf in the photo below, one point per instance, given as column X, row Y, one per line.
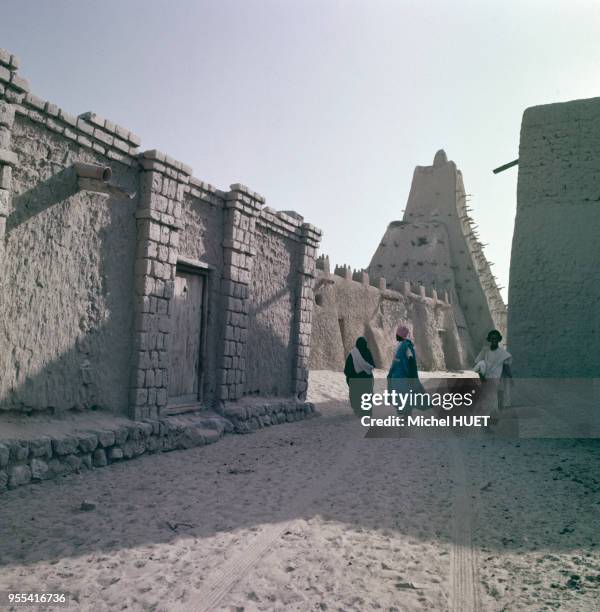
column 402, row 331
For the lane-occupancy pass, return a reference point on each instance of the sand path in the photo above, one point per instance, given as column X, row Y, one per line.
column 312, row 516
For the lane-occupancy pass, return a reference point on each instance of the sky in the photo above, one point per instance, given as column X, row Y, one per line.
column 322, row 106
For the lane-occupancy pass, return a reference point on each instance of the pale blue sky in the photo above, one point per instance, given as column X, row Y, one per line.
column 322, row 106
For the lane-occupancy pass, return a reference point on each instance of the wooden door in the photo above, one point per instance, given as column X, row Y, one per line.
column 186, row 338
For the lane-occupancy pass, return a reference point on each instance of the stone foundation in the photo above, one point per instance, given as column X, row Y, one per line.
column 246, row 418
column 30, row 458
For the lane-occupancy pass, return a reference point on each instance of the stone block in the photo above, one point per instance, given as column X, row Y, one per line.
column 139, row 397
column 121, row 145
column 5, row 58
column 83, row 140
column 149, row 230
column 56, row 468
column 163, row 253
column 121, row 435
column 18, row 475
column 143, row 267
column 157, row 269
column 51, row 109
column 143, row 361
column 5, row 177
column 86, row 128
column 67, row 117
column 3, row 480
column 106, row 438
column 161, row 306
column 8, row 158
column 70, row 134
column 88, row 442
column 40, row 469
column 4, row 74
column 4, row 455
column 72, row 463
column 144, row 285
column 159, row 288
column 5, row 136
column 164, row 324
column 149, row 378
column 138, row 378
column 158, row 202
column 121, row 132
column 115, row 453
column 19, row 450
column 13, row 96
column 41, row 447
column 99, row 458
column 150, row 249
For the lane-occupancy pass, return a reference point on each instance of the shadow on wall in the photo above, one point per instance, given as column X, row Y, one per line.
column 69, row 291
column 44, row 195
column 270, row 346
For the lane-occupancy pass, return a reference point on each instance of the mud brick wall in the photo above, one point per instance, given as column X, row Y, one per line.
column 88, row 269
column 271, row 314
column 66, row 306
column 349, row 305
column 554, row 293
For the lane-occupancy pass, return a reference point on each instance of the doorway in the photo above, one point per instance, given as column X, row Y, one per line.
column 188, row 321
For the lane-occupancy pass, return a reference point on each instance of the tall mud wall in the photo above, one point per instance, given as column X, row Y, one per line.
column 271, row 314
column 67, row 276
column 346, row 309
column 554, row 293
column 89, row 267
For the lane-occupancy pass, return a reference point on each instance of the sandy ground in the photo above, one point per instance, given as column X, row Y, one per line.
column 313, row 516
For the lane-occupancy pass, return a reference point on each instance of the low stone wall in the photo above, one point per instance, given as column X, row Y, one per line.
column 246, row 418
column 32, row 459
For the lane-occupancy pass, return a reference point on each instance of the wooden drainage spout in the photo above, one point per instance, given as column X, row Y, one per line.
column 93, row 171
column 94, row 177
column 505, row 166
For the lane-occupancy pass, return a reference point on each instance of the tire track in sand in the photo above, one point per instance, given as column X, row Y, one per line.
column 218, row 584
column 464, row 590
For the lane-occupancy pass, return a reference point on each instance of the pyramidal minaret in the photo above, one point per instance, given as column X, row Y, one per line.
column 436, row 243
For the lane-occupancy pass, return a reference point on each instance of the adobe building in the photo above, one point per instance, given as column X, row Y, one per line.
column 428, row 272
column 128, row 287
column 349, row 305
column 554, row 292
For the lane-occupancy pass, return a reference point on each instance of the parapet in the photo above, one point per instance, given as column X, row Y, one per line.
column 105, row 137
column 88, row 130
column 410, row 289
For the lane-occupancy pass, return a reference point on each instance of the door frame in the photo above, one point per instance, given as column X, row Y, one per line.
column 198, row 268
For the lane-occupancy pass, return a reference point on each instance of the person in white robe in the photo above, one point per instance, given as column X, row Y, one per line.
column 493, row 364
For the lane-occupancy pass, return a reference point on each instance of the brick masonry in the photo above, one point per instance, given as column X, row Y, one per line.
column 158, row 217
